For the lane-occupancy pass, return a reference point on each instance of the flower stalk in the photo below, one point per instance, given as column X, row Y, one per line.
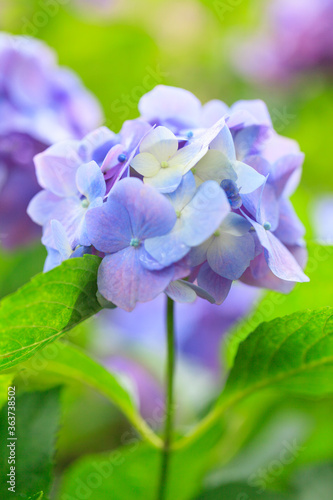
column 169, row 406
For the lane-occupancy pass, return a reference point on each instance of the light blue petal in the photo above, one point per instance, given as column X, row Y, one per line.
column 203, row 215
column 229, row 256
column 184, row 193
column 169, row 248
column 90, row 181
column 248, row 179
column 225, row 144
column 60, row 239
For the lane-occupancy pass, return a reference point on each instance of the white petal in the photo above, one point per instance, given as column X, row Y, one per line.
column 146, row 164
column 248, row 179
column 161, row 143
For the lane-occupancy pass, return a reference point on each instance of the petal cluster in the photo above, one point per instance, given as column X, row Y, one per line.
column 184, row 200
column 40, row 104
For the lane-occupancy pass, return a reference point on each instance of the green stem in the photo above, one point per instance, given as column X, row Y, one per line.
column 170, row 371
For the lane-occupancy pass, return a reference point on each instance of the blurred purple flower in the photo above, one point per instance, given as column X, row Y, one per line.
column 295, row 37
column 40, row 104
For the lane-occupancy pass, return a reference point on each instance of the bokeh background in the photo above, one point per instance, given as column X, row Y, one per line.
column 121, row 49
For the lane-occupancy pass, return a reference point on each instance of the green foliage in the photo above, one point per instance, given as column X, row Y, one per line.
column 19, row 267
column 294, row 352
column 317, row 293
column 132, row 472
column 37, row 417
column 68, row 363
column 47, row 307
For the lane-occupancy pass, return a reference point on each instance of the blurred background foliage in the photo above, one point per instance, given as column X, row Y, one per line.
column 121, row 49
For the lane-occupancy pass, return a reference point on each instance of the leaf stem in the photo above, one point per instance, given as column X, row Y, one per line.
column 170, row 371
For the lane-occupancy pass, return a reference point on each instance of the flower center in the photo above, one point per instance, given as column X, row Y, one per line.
column 164, row 164
column 122, row 157
column 267, row 225
column 189, row 134
column 85, row 203
column 231, row 190
column 217, row 234
column 135, row 242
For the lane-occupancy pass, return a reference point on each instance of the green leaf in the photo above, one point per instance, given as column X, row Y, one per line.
column 293, row 353
column 16, row 268
column 37, row 417
column 69, row 363
column 37, row 496
column 47, row 307
column 315, row 294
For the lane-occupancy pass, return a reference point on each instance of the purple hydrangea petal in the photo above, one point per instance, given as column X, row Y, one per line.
column 287, row 173
column 90, row 181
column 279, row 259
column 168, row 248
column 41, row 206
column 57, row 166
column 249, row 141
column 109, row 226
column 213, row 111
column 170, row 106
column 150, row 212
column 124, row 281
column 254, row 111
column 214, row 284
column 290, row 230
column 229, row 255
column 132, row 133
column 180, row 292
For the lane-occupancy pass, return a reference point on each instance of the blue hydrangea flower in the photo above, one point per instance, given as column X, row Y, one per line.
column 70, row 206
column 40, row 104
column 199, row 214
column 133, row 213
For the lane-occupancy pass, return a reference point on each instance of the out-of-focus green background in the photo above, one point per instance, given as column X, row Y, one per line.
column 122, row 51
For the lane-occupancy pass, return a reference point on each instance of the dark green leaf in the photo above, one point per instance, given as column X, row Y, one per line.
column 47, row 307
column 37, row 417
column 317, row 293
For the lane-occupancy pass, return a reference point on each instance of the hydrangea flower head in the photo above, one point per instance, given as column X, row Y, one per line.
column 40, row 104
column 168, row 211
